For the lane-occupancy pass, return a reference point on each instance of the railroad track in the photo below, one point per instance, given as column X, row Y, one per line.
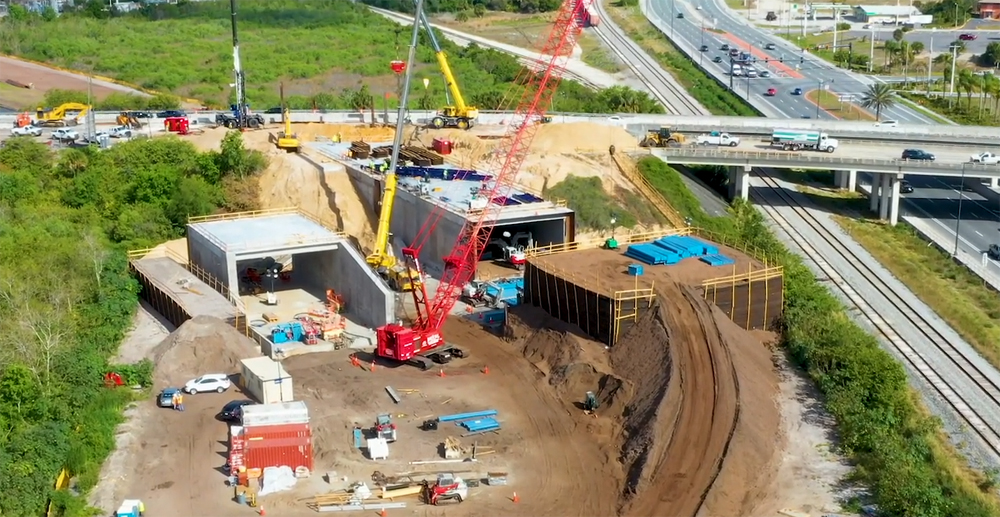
column 660, row 83
column 879, row 314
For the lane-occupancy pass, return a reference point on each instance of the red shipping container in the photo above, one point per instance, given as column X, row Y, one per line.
column 441, row 146
column 278, row 445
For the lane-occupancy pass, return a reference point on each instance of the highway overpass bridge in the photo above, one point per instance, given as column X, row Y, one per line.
column 887, row 173
column 909, row 135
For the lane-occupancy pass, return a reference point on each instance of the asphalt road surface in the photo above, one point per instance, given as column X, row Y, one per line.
column 932, row 199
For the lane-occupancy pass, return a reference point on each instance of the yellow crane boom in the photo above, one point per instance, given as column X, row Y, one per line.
column 287, row 140
column 460, row 115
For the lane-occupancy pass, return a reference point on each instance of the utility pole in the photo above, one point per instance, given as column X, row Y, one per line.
column 871, row 51
column 835, row 20
column 241, row 99
column 930, row 61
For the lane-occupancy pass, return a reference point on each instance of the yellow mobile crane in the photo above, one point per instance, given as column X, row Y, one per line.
column 459, row 115
column 397, row 275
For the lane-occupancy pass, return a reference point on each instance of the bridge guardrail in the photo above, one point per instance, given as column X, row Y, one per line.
column 823, row 161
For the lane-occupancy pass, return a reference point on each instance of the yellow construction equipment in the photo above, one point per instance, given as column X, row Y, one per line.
column 663, row 137
column 286, row 139
column 128, row 119
column 399, row 277
column 458, row 115
column 69, row 114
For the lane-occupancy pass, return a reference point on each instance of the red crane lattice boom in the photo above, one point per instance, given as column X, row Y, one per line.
column 460, row 264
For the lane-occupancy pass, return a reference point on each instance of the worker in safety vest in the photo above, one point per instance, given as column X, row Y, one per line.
column 180, row 402
column 173, row 401
column 142, row 509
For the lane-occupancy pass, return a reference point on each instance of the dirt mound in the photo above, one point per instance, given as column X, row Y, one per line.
column 348, row 132
column 581, row 137
column 684, row 443
column 201, row 345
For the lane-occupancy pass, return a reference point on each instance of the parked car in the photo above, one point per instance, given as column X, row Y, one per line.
column 30, row 130
column 905, row 187
column 967, row 37
column 680, row 16
column 218, row 382
column 887, row 123
column 797, row 91
column 139, row 114
column 233, row 411
column 171, row 113
column 121, row 132
column 770, row 46
column 65, row 134
column 918, row 155
column 704, row 48
column 771, row 16
column 771, row 92
column 166, row 397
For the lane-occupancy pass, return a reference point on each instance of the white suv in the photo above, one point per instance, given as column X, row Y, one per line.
column 218, row 382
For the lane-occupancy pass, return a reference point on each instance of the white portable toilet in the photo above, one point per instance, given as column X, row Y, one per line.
column 378, row 449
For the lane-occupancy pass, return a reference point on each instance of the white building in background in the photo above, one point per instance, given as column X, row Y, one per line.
column 890, row 14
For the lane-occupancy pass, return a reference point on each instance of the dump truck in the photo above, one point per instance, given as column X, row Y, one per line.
column 803, row 139
column 719, row 138
column 663, row 137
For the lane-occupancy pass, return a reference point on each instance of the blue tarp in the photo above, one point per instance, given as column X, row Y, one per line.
column 527, row 198
column 651, row 254
column 413, row 171
column 717, row 260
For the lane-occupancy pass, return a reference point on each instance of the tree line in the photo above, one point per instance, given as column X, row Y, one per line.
column 477, row 6
column 67, row 297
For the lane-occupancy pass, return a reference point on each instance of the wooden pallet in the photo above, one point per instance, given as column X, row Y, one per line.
column 411, row 154
column 360, row 150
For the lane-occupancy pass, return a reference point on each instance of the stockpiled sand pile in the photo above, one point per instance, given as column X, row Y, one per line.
column 309, row 132
column 324, row 192
column 201, row 345
column 688, row 410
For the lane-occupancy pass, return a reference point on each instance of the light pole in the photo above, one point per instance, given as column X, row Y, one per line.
column 871, row 51
column 272, row 275
column 930, row 61
column 701, row 53
column 958, row 222
column 954, row 58
column 672, row 16
column 819, row 96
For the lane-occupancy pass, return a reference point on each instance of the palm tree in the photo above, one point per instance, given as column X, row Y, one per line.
column 879, row 96
column 966, row 81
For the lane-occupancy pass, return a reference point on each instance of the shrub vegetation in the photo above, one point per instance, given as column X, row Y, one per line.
column 881, row 428
column 326, row 51
column 67, row 297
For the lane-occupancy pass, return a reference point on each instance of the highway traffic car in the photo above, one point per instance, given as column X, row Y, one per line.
column 918, row 155
column 967, row 37
column 887, row 123
column 797, row 91
column 771, row 92
column 905, row 187
column 171, row 113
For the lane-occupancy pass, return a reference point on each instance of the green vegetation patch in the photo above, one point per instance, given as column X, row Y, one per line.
column 66, row 220
column 595, row 207
column 965, row 110
column 324, row 50
column 895, row 447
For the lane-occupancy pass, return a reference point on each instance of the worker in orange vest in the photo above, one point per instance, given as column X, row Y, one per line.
column 180, row 402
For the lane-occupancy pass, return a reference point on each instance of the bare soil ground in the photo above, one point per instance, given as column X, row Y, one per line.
column 43, row 78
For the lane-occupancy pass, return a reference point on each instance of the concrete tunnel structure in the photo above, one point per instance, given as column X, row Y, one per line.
column 320, row 258
column 548, row 222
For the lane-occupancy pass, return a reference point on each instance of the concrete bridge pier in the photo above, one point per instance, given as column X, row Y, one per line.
column 739, row 181
column 873, row 196
column 847, row 180
column 994, row 182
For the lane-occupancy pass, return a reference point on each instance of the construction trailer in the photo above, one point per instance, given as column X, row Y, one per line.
column 266, row 380
column 423, row 337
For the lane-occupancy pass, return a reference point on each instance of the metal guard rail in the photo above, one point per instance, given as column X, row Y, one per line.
column 830, row 162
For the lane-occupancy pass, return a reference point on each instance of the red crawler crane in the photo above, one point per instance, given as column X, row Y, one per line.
column 422, row 342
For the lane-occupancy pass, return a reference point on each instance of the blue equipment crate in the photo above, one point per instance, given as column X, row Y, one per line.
column 635, row 269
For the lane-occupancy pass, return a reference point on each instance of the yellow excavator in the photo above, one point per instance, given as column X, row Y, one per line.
column 69, row 114
column 286, row 139
column 459, row 115
column 128, row 119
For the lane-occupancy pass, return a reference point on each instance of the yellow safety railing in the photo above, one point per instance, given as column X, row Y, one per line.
column 244, row 215
column 712, row 287
column 619, row 299
column 157, row 252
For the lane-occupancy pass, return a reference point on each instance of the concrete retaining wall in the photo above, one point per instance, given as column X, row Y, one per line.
column 209, row 257
column 367, row 300
column 752, row 304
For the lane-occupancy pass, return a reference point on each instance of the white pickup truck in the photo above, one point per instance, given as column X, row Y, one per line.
column 986, row 158
column 65, row 134
column 29, row 130
column 717, row 138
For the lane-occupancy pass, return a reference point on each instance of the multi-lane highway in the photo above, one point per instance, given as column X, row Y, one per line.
column 790, row 68
column 979, row 222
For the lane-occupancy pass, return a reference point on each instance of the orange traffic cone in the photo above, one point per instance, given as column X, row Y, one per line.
column 516, row 499
column 373, row 365
column 441, row 372
column 262, row 513
column 486, row 370
column 383, row 513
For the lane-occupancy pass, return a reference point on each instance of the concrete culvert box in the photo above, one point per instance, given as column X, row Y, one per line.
column 266, row 380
